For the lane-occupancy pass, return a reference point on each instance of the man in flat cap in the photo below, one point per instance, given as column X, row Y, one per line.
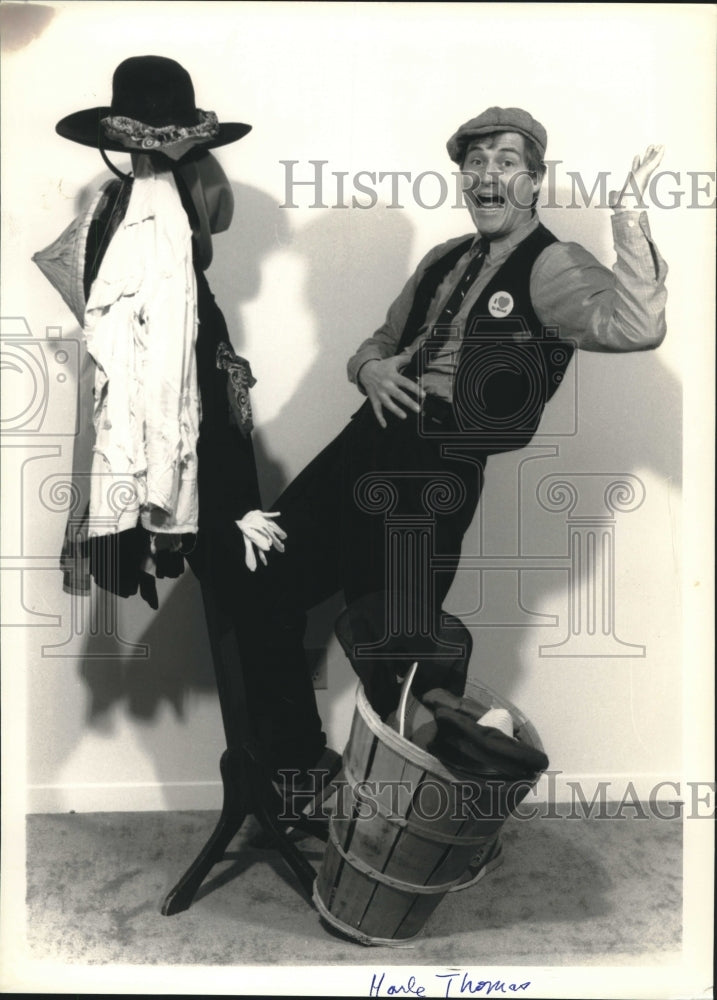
column 470, row 352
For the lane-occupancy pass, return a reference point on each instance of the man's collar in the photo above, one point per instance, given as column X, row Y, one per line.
column 503, row 245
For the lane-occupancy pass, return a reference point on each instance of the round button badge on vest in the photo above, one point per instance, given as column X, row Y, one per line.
column 501, row 304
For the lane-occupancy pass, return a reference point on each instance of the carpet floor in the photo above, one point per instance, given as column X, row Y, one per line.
column 570, row 892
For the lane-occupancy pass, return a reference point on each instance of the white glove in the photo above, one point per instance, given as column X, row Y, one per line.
column 260, row 531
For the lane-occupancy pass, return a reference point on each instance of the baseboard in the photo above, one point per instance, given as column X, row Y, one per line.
column 603, row 795
column 142, row 797
column 586, row 793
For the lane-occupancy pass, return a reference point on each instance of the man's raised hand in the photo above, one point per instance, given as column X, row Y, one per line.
column 386, row 387
column 638, row 176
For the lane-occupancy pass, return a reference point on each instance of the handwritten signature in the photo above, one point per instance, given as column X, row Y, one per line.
column 463, row 986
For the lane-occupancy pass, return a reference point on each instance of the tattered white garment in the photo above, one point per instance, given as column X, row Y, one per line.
column 141, row 328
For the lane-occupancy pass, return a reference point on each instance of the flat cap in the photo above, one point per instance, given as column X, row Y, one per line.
column 497, row 120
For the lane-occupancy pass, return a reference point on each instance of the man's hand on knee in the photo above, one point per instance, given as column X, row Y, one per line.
column 386, row 387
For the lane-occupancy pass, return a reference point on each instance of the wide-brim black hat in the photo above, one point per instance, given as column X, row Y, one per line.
column 153, row 110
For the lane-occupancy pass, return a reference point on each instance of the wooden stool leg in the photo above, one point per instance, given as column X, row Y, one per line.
column 234, row 811
column 248, row 788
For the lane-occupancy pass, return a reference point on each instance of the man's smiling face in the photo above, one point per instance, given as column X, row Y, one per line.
column 499, row 189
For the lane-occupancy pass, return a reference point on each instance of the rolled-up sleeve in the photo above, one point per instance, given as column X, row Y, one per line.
column 622, row 309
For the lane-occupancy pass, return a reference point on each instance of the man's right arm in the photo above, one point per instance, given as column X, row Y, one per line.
column 384, row 342
column 376, row 366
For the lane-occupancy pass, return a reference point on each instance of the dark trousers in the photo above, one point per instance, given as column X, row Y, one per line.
column 337, row 514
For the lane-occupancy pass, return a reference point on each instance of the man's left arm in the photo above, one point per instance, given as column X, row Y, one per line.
column 599, row 309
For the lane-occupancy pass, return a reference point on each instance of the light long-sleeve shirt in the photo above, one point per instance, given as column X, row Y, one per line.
column 141, row 329
column 596, row 308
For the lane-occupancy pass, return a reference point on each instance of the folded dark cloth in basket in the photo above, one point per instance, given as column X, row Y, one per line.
column 473, row 750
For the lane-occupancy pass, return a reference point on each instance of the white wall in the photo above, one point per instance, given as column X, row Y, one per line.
column 376, row 88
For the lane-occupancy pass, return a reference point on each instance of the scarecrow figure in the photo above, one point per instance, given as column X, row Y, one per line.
column 164, row 466
column 169, row 434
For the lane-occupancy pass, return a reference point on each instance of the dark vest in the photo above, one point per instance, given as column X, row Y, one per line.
column 509, row 365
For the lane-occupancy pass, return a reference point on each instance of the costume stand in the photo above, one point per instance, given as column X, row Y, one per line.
column 248, row 788
column 159, row 90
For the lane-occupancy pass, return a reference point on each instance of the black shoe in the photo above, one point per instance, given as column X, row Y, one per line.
column 303, row 794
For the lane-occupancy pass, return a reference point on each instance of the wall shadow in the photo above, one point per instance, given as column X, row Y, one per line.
column 167, row 665
column 22, row 24
column 353, row 261
column 629, row 422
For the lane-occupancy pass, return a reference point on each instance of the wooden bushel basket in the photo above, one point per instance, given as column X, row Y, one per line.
column 406, row 828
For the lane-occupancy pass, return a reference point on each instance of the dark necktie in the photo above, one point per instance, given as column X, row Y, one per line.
column 441, row 328
column 455, row 301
